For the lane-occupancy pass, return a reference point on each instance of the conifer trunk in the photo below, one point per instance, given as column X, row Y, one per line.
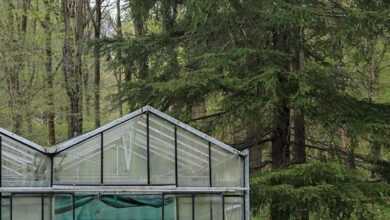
column 281, row 121
column 299, row 152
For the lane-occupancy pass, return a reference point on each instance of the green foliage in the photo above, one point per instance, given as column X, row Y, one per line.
column 327, row 189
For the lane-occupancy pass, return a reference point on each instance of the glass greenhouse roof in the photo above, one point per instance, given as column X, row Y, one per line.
column 144, row 166
column 144, row 150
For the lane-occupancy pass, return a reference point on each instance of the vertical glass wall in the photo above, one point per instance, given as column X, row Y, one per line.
column 234, row 208
column 79, row 164
column 193, row 159
column 125, row 153
column 144, row 151
column 227, row 168
column 162, row 151
column 121, row 207
column 208, row 207
column 22, row 166
column 148, row 150
column 5, row 206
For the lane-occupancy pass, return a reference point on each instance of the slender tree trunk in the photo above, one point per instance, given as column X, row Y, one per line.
column 97, row 62
column 17, row 36
column 72, row 66
column 140, row 31
column 299, row 152
column 373, row 73
column 118, row 73
column 49, row 74
column 299, row 148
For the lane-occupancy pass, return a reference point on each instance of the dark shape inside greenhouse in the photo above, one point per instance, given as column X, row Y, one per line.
column 144, row 166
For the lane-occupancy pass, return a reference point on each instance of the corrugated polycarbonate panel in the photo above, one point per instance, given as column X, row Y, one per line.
column 162, row 151
column 125, row 153
column 79, row 164
column 193, row 159
column 23, row 166
column 234, row 208
column 227, row 168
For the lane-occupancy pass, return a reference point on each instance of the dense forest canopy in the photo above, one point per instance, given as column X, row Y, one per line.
column 304, row 84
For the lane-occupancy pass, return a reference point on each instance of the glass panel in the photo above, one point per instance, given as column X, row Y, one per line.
column 170, row 207
column 26, row 208
column 47, row 208
column 226, row 168
column 193, row 159
column 79, row 164
column 184, row 207
column 208, row 207
column 23, row 166
column 234, row 208
column 5, row 207
column 63, row 207
column 162, row 151
column 104, row 207
column 125, row 154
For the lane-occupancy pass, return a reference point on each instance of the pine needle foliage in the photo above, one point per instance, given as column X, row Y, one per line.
column 326, row 189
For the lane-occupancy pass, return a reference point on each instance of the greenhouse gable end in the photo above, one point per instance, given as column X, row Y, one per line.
column 143, row 166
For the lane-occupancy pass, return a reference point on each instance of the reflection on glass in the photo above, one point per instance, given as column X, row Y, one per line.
column 125, row 153
column 23, row 166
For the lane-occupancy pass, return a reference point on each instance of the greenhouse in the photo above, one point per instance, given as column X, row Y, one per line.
column 144, row 166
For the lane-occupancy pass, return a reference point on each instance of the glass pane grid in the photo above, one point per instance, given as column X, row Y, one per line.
column 193, row 160
column 23, row 166
column 79, row 164
column 125, row 153
column 227, row 168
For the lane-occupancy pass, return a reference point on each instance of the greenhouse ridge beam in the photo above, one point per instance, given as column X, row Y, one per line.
column 24, row 141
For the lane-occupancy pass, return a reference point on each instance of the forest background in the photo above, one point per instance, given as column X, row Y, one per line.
column 303, row 84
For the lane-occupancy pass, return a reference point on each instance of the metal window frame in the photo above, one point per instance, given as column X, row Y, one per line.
column 100, row 132
column 192, row 195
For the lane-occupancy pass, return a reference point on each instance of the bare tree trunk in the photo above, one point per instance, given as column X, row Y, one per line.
column 49, row 74
column 97, row 23
column 118, row 73
column 17, row 33
column 72, row 67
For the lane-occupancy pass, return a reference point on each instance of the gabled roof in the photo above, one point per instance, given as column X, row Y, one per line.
column 23, row 141
column 67, row 144
column 71, row 142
